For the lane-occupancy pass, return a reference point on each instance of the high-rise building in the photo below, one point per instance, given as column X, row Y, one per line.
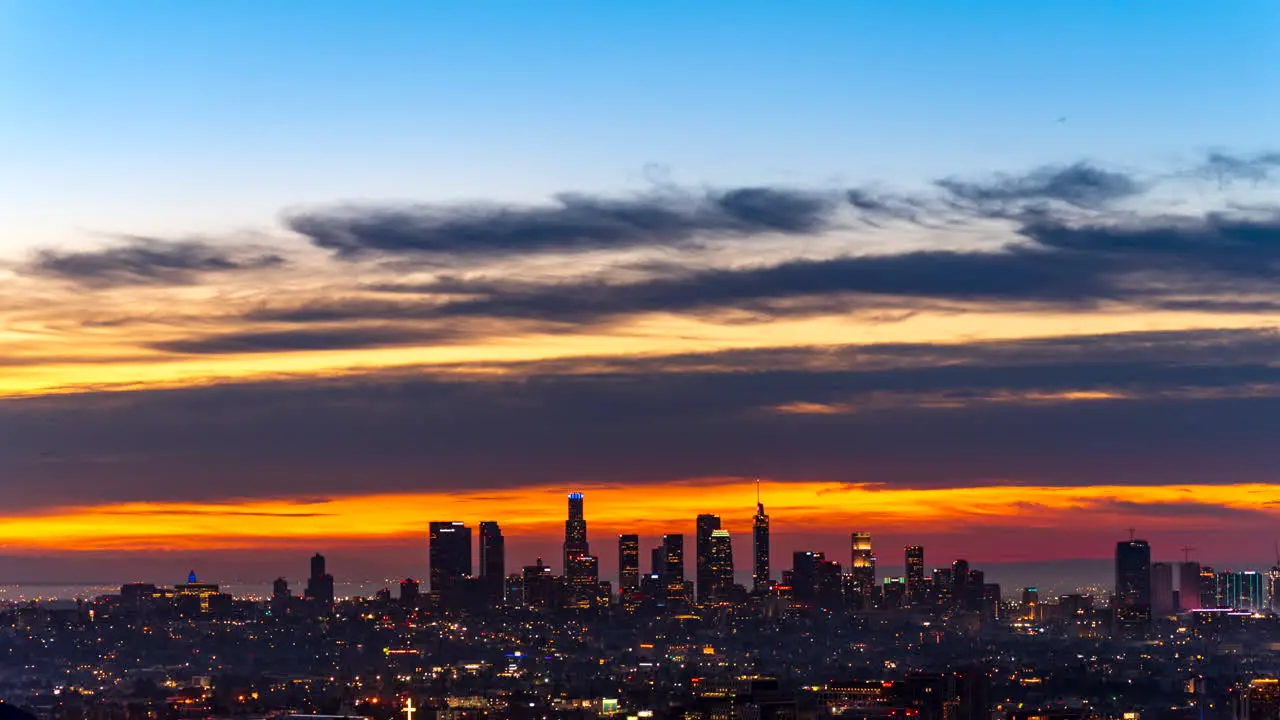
column 1189, row 586
column 706, row 524
column 1132, row 597
column 960, row 592
column 894, row 592
column 628, row 563
column 1273, row 587
column 1030, row 603
column 804, row 575
column 658, row 560
column 538, row 585
column 1209, row 588
column 914, row 564
column 408, row 591
column 1162, row 589
column 450, row 554
column 673, row 567
column 320, row 584
column 760, row 580
column 583, row 580
column 493, row 561
column 1242, row 590
column 317, row 565
column 862, row 565
column 991, row 601
column 720, row 565
column 575, row 530
column 673, row 557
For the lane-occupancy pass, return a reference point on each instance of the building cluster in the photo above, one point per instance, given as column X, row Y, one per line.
column 814, row 580
column 1146, row 591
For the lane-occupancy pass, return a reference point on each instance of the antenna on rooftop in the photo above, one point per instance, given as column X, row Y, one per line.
column 1186, row 553
column 1132, row 534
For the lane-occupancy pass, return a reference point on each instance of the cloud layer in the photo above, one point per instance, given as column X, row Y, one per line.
column 149, row 261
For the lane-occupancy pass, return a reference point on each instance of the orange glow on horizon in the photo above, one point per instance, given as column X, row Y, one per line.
column 650, row 509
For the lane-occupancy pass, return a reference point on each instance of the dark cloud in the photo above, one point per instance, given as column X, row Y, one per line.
column 293, row 340
column 148, row 261
column 1015, row 275
column 1082, row 185
column 1148, row 263
column 572, row 223
column 1193, row 414
column 1233, row 248
column 1225, row 167
column 1163, row 263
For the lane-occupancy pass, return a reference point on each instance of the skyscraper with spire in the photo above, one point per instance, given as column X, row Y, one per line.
column 760, row 547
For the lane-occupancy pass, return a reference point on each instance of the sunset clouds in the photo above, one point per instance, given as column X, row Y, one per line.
column 1075, row 346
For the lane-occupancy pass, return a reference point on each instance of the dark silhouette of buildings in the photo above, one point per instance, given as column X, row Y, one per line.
column 320, row 583
column 706, row 524
column 493, row 562
column 538, row 585
column 1132, row 597
column 450, row 554
column 804, row 575
column 1162, row 589
column 1189, row 586
column 409, row 591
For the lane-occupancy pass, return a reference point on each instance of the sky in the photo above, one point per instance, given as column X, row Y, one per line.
column 994, row 277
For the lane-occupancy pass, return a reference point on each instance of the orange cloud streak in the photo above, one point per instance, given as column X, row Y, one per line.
column 647, row 509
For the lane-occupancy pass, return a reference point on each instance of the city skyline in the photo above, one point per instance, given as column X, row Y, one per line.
column 951, row 277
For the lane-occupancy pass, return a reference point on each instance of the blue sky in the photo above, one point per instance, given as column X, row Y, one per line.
column 199, row 117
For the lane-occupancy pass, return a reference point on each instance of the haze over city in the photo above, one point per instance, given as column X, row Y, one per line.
column 997, row 279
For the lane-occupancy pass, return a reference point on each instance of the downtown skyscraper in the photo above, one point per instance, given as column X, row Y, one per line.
column 760, row 579
column 719, row 566
column 581, row 568
column 575, row 531
column 628, row 563
column 914, row 572
column 450, row 554
column 493, row 561
column 1133, row 585
column 862, row 565
column 706, row 525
